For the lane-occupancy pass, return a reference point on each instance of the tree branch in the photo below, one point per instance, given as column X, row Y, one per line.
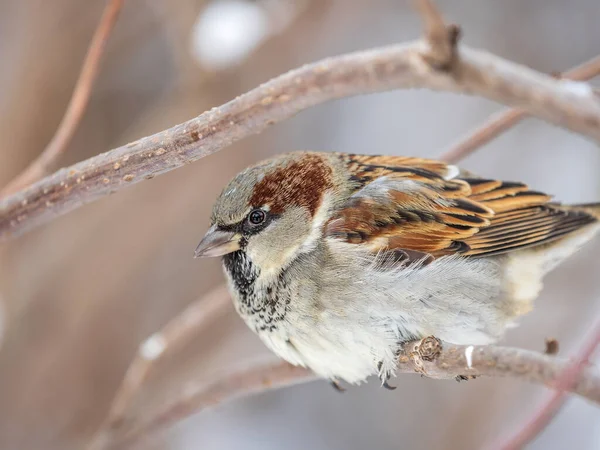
column 428, row 357
column 175, row 334
column 77, row 105
column 563, row 103
column 498, row 124
column 564, row 382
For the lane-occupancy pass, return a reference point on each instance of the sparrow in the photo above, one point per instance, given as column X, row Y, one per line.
column 336, row 260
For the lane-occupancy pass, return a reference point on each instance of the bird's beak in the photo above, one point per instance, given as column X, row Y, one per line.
column 217, row 243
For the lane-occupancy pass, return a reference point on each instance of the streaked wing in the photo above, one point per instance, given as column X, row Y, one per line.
column 432, row 208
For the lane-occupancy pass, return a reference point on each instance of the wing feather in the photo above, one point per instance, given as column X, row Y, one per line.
column 431, row 208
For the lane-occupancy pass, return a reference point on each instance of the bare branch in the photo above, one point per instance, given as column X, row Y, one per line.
column 428, row 357
column 77, row 105
column 403, row 66
column 175, row 334
column 565, row 381
column 255, row 378
column 505, row 120
column 196, row 316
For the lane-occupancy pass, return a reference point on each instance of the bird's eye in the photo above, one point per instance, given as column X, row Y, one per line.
column 257, row 217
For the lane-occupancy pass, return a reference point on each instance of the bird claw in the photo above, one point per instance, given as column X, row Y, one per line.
column 460, row 378
column 384, row 377
column 388, row 386
column 337, row 386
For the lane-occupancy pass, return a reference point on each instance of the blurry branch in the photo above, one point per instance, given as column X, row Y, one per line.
column 428, row 357
column 77, row 105
column 174, row 335
column 434, row 63
column 257, row 377
column 505, row 120
column 566, row 380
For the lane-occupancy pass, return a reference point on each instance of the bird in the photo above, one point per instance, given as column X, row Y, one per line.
column 337, row 260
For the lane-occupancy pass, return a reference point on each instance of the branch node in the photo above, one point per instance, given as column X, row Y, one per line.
column 429, row 348
column 454, row 34
column 551, row 346
column 442, row 39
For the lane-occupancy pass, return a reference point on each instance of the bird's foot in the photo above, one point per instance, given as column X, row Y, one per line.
column 387, row 386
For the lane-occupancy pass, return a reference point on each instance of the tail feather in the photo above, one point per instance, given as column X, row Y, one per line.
column 593, row 209
column 525, row 270
column 558, row 251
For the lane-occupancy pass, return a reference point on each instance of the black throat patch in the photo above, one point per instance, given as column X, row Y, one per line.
column 242, row 272
column 263, row 308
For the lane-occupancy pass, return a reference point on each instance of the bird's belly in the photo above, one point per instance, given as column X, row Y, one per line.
column 333, row 349
column 329, row 356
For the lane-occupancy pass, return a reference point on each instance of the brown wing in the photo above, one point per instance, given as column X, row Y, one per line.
column 429, row 207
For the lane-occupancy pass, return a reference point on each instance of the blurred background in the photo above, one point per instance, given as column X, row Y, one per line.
column 78, row 295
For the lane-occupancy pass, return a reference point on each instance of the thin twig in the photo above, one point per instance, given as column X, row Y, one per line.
column 77, row 105
column 565, row 382
column 447, row 362
column 175, row 334
column 395, row 67
column 501, row 122
column 242, row 381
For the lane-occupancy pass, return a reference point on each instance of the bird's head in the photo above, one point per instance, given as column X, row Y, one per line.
column 275, row 210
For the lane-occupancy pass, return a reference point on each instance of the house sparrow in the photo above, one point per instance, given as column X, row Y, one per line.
column 335, row 260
